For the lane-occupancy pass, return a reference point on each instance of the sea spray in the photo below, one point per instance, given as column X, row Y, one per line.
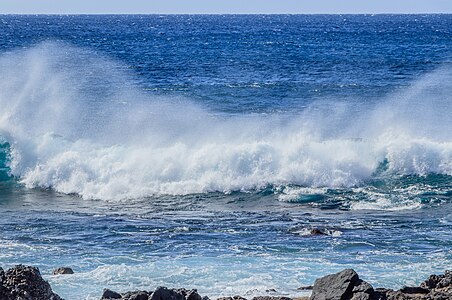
column 77, row 123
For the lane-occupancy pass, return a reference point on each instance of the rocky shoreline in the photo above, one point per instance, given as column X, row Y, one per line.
column 26, row 283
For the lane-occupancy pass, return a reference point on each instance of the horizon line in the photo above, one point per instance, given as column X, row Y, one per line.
column 222, row 14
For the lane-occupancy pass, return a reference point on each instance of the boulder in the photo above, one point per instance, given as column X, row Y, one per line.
column 344, row 285
column 109, row 294
column 62, row 271
column 25, row 283
column 138, row 295
column 335, row 286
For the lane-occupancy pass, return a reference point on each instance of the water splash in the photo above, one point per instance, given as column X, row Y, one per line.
column 77, row 123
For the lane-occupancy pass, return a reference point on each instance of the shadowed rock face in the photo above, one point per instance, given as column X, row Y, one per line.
column 341, row 286
column 24, row 283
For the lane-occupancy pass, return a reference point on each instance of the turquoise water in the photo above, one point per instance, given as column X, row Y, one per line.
column 199, row 151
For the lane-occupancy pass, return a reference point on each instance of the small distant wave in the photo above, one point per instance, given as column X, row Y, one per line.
column 74, row 123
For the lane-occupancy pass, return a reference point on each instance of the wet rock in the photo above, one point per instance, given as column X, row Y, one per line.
column 138, row 295
column 271, row 298
column 381, row 293
column 62, row 270
column 163, row 293
column 305, row 288
column 317, row 231
column 438, row 281
column 335, row 286
column 25, row 283
column 232, row 298
column 3, row 291
column 109, row 294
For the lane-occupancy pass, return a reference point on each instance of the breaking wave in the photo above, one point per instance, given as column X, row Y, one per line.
column 74, row 121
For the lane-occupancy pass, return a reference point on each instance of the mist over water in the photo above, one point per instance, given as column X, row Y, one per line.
column 76, row 122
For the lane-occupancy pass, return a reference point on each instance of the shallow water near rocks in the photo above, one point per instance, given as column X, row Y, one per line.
column 220, row 244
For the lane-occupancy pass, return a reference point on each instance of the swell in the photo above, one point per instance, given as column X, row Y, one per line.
column 77, row 124
column 4, row 161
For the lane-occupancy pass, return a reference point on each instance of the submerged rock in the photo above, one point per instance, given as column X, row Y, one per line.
column 317, row 231
column 25, row 283
column 62, row 270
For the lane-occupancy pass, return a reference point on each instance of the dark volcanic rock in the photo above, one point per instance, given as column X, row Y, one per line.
column 271, row 298
column 3, row 291
column 25, row 283
column 344, row 285
column 414, row 290
column 139, row 295
column 335, row 286
column 438, row 281
column 63, row 270
column 305, row 288
column 232, row 298
column 317, row 231
column 109, row 294
column 362, row 291
column 163, row 293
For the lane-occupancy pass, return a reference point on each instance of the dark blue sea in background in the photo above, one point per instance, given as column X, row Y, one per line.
column 200, row 151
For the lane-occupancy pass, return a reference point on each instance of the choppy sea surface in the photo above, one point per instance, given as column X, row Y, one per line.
column 200, row 151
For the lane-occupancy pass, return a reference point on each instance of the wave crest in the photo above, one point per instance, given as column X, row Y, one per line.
column 84, row 128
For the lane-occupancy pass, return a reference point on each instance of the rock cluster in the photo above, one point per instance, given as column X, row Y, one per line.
column 161, row 293
column 24, row 283
column 346, row 285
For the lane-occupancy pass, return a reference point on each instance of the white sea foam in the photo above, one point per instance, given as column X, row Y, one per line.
column 77, row 124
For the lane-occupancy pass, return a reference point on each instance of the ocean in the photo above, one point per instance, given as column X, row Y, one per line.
column 201, row 151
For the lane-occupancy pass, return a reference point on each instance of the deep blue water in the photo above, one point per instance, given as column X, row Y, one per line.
column 200, row 151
